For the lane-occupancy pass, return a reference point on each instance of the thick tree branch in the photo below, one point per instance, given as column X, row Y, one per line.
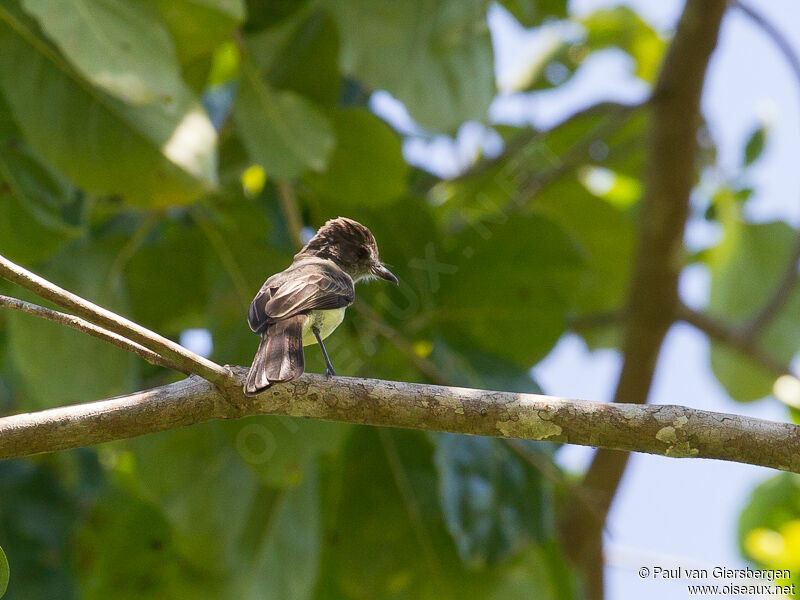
column 106, row 319
column 674, row 431
column 653, row 297
column 93, row 330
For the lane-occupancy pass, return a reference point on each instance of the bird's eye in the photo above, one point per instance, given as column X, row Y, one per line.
column 363, row 253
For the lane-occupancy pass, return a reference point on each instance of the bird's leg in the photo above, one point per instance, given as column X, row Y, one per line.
column 329, row 372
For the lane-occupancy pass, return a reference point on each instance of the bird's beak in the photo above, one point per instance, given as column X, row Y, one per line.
column 385, row 273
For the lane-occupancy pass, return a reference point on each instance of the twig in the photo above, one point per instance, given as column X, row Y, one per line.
column 86, row 327
column 674, row 431
column 224, row 254
column 291, row 213
column 596, row 320
column 783, row 290
column 113, row 322
column 528, row 137
column 746, row 344
column 399, row 341
column 615, row 117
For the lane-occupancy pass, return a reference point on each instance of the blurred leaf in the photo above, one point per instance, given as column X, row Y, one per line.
column 530, row 13
column 36, row 206
column 483, row 371
column 285, row 565
column 488, row 303
column 266, row 13
column 367, row 166
column 126, row 551
column 119, row 46
column 605, row 236
column 199, row 26
column 755, row 145
column 769, row 526
column 177, row 301
column 621, row 27
column 435, row 56
column 58, row 365
column 278, row 449
column 494, row 504
column 301, row 55
column 381, row 540
column 385, row 536
column 4, row 573
column 169, row 150
column 282, row 131
column 203, row 487
column 37, row 518
column 745, row 268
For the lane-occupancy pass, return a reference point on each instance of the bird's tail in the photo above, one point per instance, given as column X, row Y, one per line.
column 279, row 356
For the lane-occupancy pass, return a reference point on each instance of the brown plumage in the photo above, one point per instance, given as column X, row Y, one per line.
column 305, row 303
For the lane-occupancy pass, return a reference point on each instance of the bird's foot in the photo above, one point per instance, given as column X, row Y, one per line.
column 329, row 372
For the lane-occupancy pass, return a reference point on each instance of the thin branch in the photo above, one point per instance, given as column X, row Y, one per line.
column 531, row 136
column 783, row 290
column 736, row 339
column 615, row 117
column 399, row 341
column 93, row 330
column 781, row 41
column 224, row 253
column 673, row 431
column 291, row 212
column 653, row 296
column 113, row 322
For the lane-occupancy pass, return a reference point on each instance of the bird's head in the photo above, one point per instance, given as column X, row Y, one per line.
column 351, row 246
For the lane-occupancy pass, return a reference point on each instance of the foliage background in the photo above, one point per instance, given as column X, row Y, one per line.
column 157, row 157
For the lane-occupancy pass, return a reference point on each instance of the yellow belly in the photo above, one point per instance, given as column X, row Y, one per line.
column 324, row 320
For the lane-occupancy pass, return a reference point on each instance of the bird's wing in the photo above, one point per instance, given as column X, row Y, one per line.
column 315, row 286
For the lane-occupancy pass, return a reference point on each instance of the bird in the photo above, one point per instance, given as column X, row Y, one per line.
column 304, row 303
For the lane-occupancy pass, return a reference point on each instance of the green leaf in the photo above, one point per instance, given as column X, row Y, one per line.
column 530, row 13
column 168, row 303
column 373, row 546
column 769, row 526
column 605, row 236
column 494, row 504
column 490, row 302
column 301, row 55
column 157, row 154
column 282, row 131
column 755, row 145
column 4, row 573
column 37, row 520
column 285, row 564
column 278, row 449
column 126, row 550
column 267, row 13
column 435, row 56
column 36, row 206
column 119, row 46
column 385, row 535
column 367, row 166
column 203, row 487
column 623, row 28
column 199, row 26
column 745, row 268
